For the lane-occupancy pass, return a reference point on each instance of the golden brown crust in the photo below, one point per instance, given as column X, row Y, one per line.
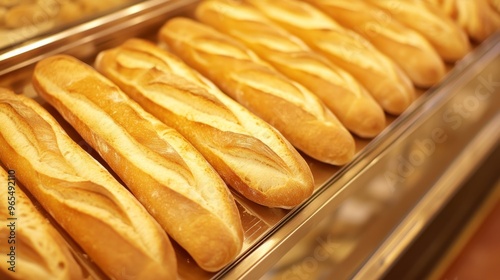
column 40, row 251
column 447, row 38
column 249, row 154
column 166, row 173
column 298, row 114
column 347, row 99
column 385, row 81
column 94, row 209
column 479, row 18
column 412, row 52
column 495, row 6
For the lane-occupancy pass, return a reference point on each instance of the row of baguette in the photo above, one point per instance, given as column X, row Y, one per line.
column 177, row 158
column 21, row 20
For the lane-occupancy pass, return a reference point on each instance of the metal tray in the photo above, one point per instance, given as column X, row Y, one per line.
column 269, row 233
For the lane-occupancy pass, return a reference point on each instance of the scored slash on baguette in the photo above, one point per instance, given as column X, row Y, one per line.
column 294, row 111
column 347, row 99
column 41, row 252
column 447, row 38
column 250, row 155
column 406, row 47
column 166, row 173
column 478, row 18
column 93, row 208
column 383, row 79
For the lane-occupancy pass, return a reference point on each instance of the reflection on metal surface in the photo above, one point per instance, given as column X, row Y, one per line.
column 434, row 199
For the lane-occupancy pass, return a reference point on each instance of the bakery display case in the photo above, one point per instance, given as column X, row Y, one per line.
column 362, row 218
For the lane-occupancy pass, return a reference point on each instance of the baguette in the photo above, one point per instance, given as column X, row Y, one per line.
column 167, row 174
column 385, row 81
column 412, row 52
column 343, row 95
column 93, row 208
column 479, row 18
column 250, row 155
column 298, row 114
column 447, row 38
column 38, row 250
